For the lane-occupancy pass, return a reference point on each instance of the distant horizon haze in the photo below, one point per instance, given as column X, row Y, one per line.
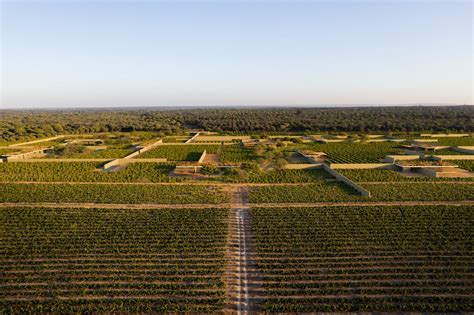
column 106, row 54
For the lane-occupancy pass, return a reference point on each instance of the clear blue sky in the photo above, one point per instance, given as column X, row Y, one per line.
column 125, row 53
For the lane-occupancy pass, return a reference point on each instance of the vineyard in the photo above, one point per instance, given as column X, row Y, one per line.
column 236, row 153
column 180, row 152
column 465, row 164
column 253, row 227
column 455, row 142
column 109, row 153
column 116, row 193
column 7, row 150
column 290, row 176
column 445, row 152
column 420, row 191
column 339, row 192
column 384, row 175
column 102, row 260
column 365, row 259
column 84, row 172
column 317, row 192
column 344, row 152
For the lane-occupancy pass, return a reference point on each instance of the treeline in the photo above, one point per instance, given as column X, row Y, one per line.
column 15, row 124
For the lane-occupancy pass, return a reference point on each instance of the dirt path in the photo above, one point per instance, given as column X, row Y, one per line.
column 241, row 274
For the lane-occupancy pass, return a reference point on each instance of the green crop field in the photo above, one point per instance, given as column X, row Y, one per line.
column 395, row 259
column 236, row 153
column 420, row 191
column 255, row 227
column 457, row 141
column 338, row 192
column 384, row 175
column 465, row 164
column 120, row 261
column 115, row 193
column 290, row 176
column 317, row 192
column 180, row 152
column 344, row 152
column 7, row 150
column 84, row 172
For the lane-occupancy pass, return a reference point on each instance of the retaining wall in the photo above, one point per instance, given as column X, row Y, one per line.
column 453, row 157
column 468, row 150
column 361, row 166
column 302, row 166
column 221, row 138
column 444, row 135
column 203, row 156
column 342, row 178
column 26, row 155
column 191, row 140
column 36, row 141
column 393, row 158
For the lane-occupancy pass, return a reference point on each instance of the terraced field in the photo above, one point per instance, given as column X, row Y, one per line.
column 102, row 260
column 253, row 234
column 364, row 259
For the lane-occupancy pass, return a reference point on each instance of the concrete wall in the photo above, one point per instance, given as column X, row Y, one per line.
column 133, row 154
column 342, row 178
column 191, row 140
column 221, row 138
column 36, row 141
column 424, row 140
column 203, row 156
column 361, row 166
column 26, row 155
column 111, row 163
column 393, row 158
column 444, row 135
column 302, row 166
column 453, row 157
column 468, row 150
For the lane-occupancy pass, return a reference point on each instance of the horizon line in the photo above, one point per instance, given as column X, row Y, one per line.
column 355, row 105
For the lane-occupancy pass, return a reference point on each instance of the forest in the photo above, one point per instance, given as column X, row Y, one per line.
column 29, row 124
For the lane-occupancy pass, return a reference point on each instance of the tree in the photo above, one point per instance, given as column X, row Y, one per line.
column 280, row 164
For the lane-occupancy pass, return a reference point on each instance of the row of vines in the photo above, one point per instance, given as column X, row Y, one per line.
column 102, row 260
column 112, row 193
column 372, row 259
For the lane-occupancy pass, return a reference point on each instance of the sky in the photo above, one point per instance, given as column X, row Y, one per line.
column 177, row 53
